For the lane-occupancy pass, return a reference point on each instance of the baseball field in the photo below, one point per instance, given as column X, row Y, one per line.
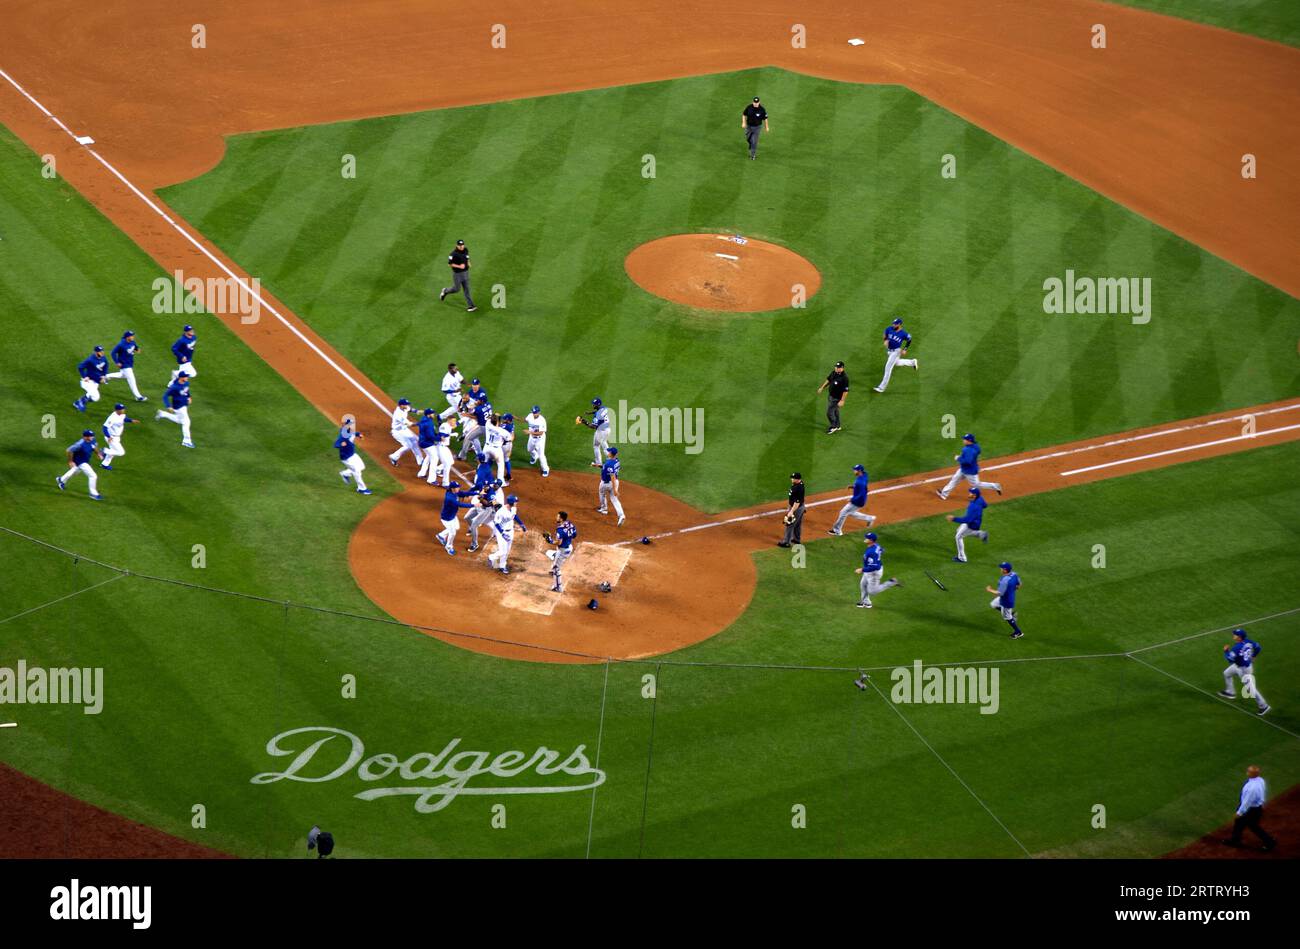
column 271, row 650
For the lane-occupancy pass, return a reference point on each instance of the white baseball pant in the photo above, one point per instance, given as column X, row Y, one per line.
column 895, row 358
column 85, row 469
column 974, row 480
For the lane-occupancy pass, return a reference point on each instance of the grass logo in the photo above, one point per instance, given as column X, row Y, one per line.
column 441, row 778
column 948, row 685
column 56, row 686
column 1105, row 295
column 658, row 426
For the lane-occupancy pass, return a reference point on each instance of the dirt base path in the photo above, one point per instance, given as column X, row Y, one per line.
column 38, row 822
column 1281, row 819
column 659, row 602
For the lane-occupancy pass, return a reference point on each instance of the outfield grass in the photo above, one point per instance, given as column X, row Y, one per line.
column 198, row 682
column 1271, row 19
column 550, row 197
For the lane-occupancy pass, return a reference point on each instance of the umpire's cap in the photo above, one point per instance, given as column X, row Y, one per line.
column 460, row 243
column 755, row 98
column 796, row 476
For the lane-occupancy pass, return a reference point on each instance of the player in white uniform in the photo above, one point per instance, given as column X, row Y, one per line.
column 536, row 423
column 451, row 385
column 494, row 444
column 113, row 425
column 503, row 528
column 600, row 425
column 402, row 434
column 444, row 459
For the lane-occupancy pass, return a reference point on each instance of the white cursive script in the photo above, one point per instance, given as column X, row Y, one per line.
column 452, row 770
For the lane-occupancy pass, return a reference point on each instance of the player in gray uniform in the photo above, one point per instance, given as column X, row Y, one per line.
column 565, row 532
column 485, row 509
column 458, row 260
column 600, row 425
column 608, row 490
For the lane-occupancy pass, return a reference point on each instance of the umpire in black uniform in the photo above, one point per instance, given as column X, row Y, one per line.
column 838, row 384
column 458, row 259
column 754, row 121
column 794, row 513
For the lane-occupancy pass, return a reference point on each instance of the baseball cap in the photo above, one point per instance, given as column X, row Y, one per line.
column 99, row 349
column 87, row 432
column 187, row 328
column 508, row 417
column 860, row 468
column 127, row 333
column 795, row 474
column 511, row 498
column 481, row 456
column 403, row 401
column 119, row 405
column 613, row 451
column 975, row 491
column 969, row 437
column 839, row 365
column 182, row 375
column 537, row 408
column 1005, row 565
column 898, row 321
column 460, row 243
column 870, row 535
column 428, row 412
column 1239, row 632
column 473, row 382
column 596, row 401
column 755, row 98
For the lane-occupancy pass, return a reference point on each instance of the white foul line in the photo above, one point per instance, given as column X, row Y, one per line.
column 203, row 250
column 1175, row 451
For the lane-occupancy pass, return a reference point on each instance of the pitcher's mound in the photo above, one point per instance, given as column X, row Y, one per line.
column 722, row 272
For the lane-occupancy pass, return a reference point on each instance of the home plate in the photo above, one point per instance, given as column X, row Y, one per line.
column 529, row 585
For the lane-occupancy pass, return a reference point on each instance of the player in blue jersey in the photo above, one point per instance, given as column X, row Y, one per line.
column 1241, row 654
column 450, row 516
column 968, row 524
column 93, row 370
column 565, row 533
column 872, row 570
column 897, row 341
column 177, row 398
column 79, row 454
column 352, row 463
column 1005, row 599
column 183, row 350
column 123, row 356
column 968, row 468
column 607, row 493
column 855, row 503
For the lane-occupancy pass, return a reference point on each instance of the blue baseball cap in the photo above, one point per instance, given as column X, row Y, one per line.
column 595, row 401
column 473, row 382
column 898, row 321
column 99, row 349
column 1005, row 565
column 481, row 456
column 127, row 333
column 613, row 451
column 511, row 498
column 429, row 412
column 537, row 408
column 87, row 432
column 403, row 401
column 118, row 406
column 860, row 468
column 187, row 328
column 508, row 417
column 968, row 437
column 1239, row 632
column 975, row 491
column 182, row 375
column 870, row 535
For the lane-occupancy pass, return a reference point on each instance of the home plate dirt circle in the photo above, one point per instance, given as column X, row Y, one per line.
column 722, row 272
